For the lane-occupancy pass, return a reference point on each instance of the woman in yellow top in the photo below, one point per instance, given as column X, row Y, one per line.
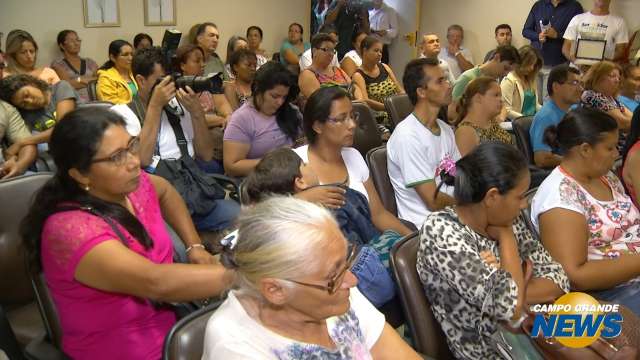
column 115, row 80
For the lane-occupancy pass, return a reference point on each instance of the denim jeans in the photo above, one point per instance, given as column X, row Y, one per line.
column 627, row 295
column 374, row 282
column 222, row 216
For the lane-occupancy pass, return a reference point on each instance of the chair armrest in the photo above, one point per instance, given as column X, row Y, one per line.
column 409, row 224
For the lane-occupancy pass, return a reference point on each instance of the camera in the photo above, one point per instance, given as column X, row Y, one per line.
column 211, row 83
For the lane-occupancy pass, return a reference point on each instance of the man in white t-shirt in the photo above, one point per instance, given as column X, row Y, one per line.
column 420, row 143
column 430, row 46
column 597, row 24
column 458, row 57
column 306, row 59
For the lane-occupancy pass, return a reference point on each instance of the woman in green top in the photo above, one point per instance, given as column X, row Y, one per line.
column 479, row 106
column 294, row 46
column 519, row 86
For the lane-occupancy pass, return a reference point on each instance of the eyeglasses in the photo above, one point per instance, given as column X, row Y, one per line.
column 119, row 157
column 335, row 282
column 328, row 50
column 355, row 116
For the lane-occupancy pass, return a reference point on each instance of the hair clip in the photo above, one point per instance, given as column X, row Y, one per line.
column 230, row 241
column 447, row 165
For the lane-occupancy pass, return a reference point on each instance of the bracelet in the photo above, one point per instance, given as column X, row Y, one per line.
column 191, row 247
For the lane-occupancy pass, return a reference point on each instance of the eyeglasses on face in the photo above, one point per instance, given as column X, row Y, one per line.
column 575, row 83
column 328, row 50
column 119, row 157
column 334, row 283
column 355, row 116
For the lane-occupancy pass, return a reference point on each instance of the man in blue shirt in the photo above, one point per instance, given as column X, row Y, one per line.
column 545, row 27
column 565, row 88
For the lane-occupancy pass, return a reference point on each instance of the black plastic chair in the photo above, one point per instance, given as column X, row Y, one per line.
column 185, row 341
column 366, row 136
column 521, row 128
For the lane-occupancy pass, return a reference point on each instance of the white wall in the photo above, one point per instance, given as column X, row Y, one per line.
column 480, row 17
column 400, row 52
column 45, row 18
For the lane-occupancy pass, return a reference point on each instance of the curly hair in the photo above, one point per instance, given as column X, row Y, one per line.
column 9, row 86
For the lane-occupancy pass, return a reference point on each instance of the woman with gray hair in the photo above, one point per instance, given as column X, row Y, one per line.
column 289, row 303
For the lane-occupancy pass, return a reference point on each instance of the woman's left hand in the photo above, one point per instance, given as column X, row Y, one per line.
column 199, row 255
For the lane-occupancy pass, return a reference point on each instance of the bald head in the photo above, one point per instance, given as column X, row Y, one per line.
column 430, row 45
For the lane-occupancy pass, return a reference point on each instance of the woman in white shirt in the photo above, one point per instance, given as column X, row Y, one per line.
column 329, row 124
column 289, row 303
column 353, row 59
column 584, row 217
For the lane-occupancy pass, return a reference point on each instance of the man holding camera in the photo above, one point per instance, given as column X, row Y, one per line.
column 348, row 16
column 157, row 137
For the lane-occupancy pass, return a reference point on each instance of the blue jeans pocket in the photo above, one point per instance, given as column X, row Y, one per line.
column 374, row 282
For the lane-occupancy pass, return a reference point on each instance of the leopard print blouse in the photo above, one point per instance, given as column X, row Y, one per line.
column 468, row 297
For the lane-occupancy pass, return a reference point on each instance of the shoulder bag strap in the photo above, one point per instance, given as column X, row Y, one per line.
column 174, row 121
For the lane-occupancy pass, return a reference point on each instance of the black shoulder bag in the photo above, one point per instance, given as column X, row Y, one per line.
column 198, row 190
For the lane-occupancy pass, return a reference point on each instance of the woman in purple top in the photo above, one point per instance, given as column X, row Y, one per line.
column 265, row 122
column 96, row 230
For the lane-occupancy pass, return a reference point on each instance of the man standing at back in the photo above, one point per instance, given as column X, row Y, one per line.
column 597, row 24
column 348, row 16
column 503, row 37
column 431, row 49
column 384, row 26
column 545, row 27
column 458, row 57
column 421, row 143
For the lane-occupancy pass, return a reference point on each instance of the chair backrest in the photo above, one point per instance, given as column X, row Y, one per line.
column 92, row 90
column 399, row 107
column 185, row 341
column 366, row 136
column 521, row 128
column 377, row 162
column 98, row 104
column 426, row 332
column 15, row 196
column 48, row 310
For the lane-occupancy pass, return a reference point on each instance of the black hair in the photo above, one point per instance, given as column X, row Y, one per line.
column 560, row 74
column 268, row 77
column 144, row 60
column 489, row 165
column 319, row 38
column 414, row 76
column 502, row 26
column 9, row 86
column 240, row 55
column 318, row 108
column 299, row 26
column 114, row 49
column 634, row 133
column 368, row 42
column 138, row 39
column 254, row 27
column 508, row 53
column 73, row 145
column 275, row 174
column 356, row 33
column 62, row 36
column 579, row 126
column 182, row 55
column 328, row 29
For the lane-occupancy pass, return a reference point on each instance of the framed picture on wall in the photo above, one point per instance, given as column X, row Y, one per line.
column 159, row 12
column 101, row 13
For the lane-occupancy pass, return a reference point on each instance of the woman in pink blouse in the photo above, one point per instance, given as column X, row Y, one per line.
column 96, row 230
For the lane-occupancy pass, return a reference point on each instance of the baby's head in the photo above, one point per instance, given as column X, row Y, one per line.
column 280, row 172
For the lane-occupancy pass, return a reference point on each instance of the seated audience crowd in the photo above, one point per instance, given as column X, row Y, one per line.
column 150, row 172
